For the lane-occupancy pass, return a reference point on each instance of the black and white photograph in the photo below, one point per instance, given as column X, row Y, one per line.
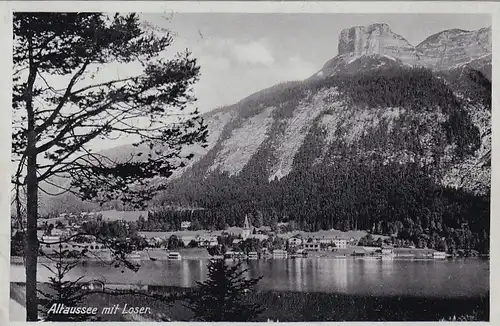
column 241, row 166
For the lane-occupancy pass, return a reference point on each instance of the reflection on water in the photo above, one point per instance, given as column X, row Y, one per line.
column 341, row 274
column 355, row 276
column 186, row 275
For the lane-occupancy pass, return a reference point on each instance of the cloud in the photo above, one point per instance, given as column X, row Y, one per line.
column 296, row 60
column 232, row 69
column 296, row 68
column 252, row 53
column 217, row 88
column 214, row 63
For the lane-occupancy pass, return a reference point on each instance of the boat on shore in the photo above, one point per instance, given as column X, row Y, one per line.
column 378, row 257
column 439, row 255
column 253, row 255
column 279, row 254
column 174, row 256
column 134, row 255
column 234, row 255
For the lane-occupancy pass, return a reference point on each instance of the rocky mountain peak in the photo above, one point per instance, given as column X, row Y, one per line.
column 482, row 35
column 442, row 51
column 455, row 47
column 372, row 39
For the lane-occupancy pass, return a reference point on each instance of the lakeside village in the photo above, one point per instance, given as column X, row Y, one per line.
column 234, row 243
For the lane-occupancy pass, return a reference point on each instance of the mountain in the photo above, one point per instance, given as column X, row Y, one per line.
column 397, row 115
column 455, row 47
column 282, row 116
column 373, row 40
column 445, row 50
column 387, row 137
column 482, row 64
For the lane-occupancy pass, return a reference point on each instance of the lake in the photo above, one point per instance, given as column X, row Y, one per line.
column 427, row 278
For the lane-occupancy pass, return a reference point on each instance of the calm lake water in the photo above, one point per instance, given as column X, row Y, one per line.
column 429, row 278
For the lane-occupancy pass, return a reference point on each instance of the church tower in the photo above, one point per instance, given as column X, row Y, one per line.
column 246, row 229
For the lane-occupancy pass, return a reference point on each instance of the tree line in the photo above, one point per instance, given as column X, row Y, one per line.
column 350, row 190
column 387, row 200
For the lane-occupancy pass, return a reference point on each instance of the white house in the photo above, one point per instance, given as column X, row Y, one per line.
column 279, row 253
column 340, row 243
column 185, row 225
column 51, row 238
column 387, row 251
column 312, row 246
column 206, row 241
column 324, row 240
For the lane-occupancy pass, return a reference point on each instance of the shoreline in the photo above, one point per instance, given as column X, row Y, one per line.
column 17, row 260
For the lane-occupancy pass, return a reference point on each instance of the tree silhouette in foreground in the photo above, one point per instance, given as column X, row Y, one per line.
column 223, row 296
column 62, row 291
column 68, row 94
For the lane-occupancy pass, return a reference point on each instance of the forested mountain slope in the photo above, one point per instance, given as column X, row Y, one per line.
column 387, row 137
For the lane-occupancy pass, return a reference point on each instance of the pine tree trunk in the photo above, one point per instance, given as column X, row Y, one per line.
column 31, row 236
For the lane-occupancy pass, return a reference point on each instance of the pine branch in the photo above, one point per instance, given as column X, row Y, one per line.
column 65, row 97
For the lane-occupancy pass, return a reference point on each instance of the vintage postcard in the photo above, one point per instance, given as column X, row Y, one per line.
column 248, row 162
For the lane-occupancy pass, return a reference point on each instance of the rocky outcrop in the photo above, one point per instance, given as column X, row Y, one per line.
column 442, row 51
column 347, row 65
column 482, row 64
column 376, row 39
column 454, row 47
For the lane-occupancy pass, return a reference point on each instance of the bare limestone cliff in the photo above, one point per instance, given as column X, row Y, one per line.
column 455, row 47
column 445, row 50
column 376, row 39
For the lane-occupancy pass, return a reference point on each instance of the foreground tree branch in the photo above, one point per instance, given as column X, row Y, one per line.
column 55, row 126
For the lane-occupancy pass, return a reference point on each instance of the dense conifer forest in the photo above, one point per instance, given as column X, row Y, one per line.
column 348, row 191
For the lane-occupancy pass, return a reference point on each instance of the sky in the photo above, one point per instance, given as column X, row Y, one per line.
column 240, row 54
